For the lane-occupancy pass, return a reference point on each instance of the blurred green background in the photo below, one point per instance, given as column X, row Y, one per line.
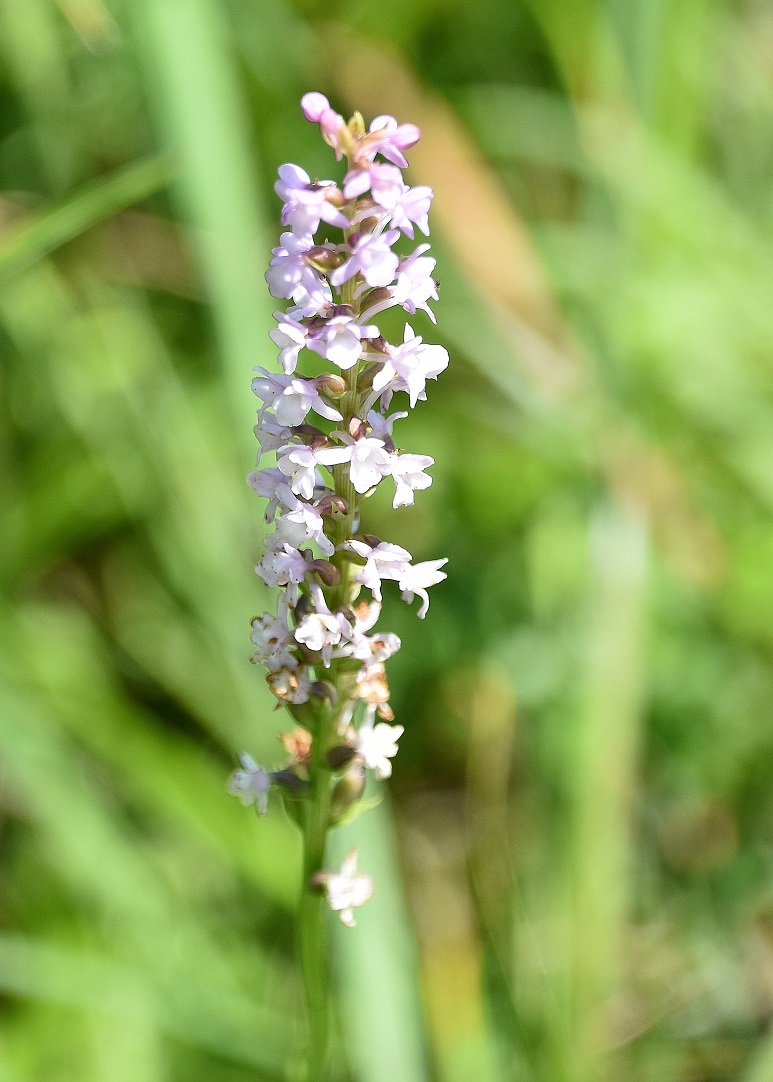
column 573, row 863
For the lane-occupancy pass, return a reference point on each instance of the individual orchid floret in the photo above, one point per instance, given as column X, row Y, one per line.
column 273, row 639
column 307, row 203
column 340, row 340
column 292, row 399
column 385, row 183
column 368, row 459
column 388, row 138
column 251, row 784
column 332, row 125
column 284, row 566
column 382, row 561
column 302, row 523
column 291, row 686
column 415, row 286
column 381, row 426
column 320, row 632
column 289, row 268
column 290, row 336
column 299, row 464
column 409, row 366
column 417, row 578
column 347, row 889
column 409, row 476
column 272, row 485
column 270, row 433
column 372, row 257
column 378, row 744
column 412, row 208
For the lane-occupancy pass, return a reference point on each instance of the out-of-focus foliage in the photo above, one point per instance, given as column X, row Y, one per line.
column 574, row 865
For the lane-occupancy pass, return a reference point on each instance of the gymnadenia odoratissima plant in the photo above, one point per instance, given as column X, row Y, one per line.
column 334, row 442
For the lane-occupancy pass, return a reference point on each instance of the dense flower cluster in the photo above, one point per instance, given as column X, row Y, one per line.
column 332, row 435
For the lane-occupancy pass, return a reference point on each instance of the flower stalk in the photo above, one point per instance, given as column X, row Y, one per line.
column 333, row 440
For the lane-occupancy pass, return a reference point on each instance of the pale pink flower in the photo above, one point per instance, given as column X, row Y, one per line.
column 372, row 257
column 347, row 889
column 378, row 745
column 407, row 471
column 417, row 578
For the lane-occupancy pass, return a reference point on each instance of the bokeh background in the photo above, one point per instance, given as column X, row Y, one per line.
column 574, row 859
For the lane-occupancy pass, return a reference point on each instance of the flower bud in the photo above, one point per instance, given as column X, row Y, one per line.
column 330, row 385
column 323, row 259
column 326, row 691
column 327, row 572
column 348, row 789
column 339, row 756
column 331, row 504
column 367, row 225
column 289, row 780
column 311, row 436
column 357, row 125
column 303, row 606
column 356, row 428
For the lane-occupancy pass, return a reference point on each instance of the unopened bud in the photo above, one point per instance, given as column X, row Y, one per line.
column 325, row 690
column 331, row 504
column 303, row 606
column 367, row 225
column 330, row 385
column 339, row 756
column 349, row 789
column 323, row 259
column 357, row 125
column 289, row 780
column 326, row 571
column 379, row 345
column 356, row 428
column 375, row 296
column 311, row 436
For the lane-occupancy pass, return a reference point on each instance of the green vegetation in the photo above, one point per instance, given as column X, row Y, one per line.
column 574, row 859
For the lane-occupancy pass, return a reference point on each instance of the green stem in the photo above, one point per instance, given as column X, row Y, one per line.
column 313, row 945
column 313, row 951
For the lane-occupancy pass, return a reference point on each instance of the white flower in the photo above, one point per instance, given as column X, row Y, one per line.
column 290, row 336
column 412, row 208
column 291, row 399
column 347, row 889
column 415, row 285
column 289, row 269
column 339, row 340
column 407, row 471
column 381, row 426
column 283, row 567
column 373, row 258
column 272, row 637
column 299, row 463
column 271, row 484
column 415, row 580
column 303, row 522
column 270, row 434
column 385, row 182
column 251, row 784
column 307, row 203
column 385, row 561
column 320, row 632
column 369, row 463
column 378, row 744
column 410, row 365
